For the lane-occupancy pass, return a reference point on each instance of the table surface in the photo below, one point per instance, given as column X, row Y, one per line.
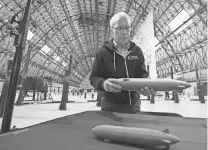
column 74, row 132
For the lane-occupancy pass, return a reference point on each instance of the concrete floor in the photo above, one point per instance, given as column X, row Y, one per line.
column 30, row 114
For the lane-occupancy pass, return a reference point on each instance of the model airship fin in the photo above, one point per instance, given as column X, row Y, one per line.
column 166, row 131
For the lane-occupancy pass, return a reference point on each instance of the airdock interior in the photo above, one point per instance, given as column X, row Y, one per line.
column 47, row 51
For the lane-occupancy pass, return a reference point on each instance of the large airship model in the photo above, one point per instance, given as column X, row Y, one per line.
column 135, row 136
column 135, row 84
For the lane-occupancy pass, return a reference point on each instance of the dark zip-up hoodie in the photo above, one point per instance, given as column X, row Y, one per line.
column 109, row 63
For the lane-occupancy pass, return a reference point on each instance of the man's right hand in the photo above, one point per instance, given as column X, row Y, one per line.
column 109, row 86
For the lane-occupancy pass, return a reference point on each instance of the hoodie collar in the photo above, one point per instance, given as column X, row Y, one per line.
column 117, row 46
column 110, row 45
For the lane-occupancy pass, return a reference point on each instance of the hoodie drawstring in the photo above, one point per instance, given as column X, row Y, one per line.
column 114, row 65
column 114, row 60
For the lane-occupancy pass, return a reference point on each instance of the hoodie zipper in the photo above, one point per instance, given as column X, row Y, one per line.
column 127, row 73
column 128, row 77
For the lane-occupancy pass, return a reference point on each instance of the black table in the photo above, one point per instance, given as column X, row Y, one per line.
column 75, row 132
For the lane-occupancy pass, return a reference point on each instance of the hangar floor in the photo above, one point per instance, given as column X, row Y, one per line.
column 31, row 114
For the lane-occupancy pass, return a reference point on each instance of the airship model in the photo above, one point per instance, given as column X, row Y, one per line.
column 135, row 136
column 135, row 84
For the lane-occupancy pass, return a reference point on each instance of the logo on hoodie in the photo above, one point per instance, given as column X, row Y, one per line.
column 132, row 57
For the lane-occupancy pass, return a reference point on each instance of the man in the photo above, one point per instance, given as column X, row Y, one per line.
column 119, row 58
column 45, row 90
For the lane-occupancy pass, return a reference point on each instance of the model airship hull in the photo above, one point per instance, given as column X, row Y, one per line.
column 136, row 136
column 135, row 84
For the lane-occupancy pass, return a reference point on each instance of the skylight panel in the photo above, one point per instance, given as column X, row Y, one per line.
column 30, row 35
column 179, row 20
column 57, row 58
column 64, row 64
column 45, row 49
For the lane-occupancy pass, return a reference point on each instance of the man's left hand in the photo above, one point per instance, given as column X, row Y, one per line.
column 147, row 92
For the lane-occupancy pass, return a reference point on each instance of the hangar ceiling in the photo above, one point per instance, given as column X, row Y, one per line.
column 60, row 28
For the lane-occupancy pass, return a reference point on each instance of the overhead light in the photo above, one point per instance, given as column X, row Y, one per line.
column 191, row 11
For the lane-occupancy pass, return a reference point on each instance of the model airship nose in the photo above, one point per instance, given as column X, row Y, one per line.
column 184, row 85
column 99, row 130
column 173, row 139
column 187, row 85
column 95, row 130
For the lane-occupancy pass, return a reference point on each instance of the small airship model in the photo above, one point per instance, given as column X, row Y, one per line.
column 135, row 136
column 135, row 84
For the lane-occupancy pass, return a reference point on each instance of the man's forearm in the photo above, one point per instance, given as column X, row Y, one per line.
column 97, row 83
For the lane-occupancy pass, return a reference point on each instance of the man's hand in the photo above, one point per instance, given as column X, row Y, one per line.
column 109, row 86
column 147, row 92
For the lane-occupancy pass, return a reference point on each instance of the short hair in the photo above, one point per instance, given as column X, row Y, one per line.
column 118, row 16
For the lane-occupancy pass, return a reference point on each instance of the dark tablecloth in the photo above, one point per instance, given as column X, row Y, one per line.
column 75, row 132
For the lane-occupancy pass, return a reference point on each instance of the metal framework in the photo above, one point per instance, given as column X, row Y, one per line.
column 186, row 49
column 80, row 27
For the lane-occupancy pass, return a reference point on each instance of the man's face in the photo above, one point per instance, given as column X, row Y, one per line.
column 121, row 31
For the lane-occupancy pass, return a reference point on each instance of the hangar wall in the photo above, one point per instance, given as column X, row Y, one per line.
column 145, row 39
